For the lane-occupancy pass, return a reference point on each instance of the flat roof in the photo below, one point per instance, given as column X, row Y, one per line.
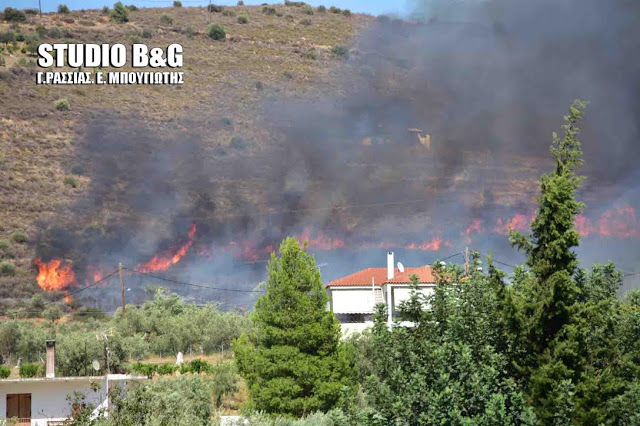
column 115, row 377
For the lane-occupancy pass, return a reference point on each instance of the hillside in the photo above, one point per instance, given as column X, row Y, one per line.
column 225, row 86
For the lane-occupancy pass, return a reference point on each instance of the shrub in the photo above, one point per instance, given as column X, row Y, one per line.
column 71, row 181
column 63, row 8
column 310, row 54
column 4, row 372
column 340, row 50
column 14, row 15
column 189, row 32
column 41, row 30
column 238, row 143
column 269, row 10
column 196, row 366
column 346, row 12
column 289, row 18
column 226, row 121
column 166, row 368
column 7, row 268
column 288, row 75
column 78, row 169
column 217, row 32
column 243, row 19
column 307, row 9
column 146, row 33
column 5, row 246
column 7, row 37
column 294, row 3
column 177, row 4
column 334, row 9
column 19, row 237
column 132, row 7
column 135, row 39
column 19, row 37
column 55, row 32
column 215, row 8
column 31, row 11
column 224, row 381
column 144, row 369
column 166, row 19
column 321, row 9
column 259, row 85
column 28, row 369
column 62, row 104
column 240, row 3
column 228, row 12
column 120, row 13
column 306, row 22
column 105, row 10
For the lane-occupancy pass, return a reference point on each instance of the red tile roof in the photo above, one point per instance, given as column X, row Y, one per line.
column 379, row 275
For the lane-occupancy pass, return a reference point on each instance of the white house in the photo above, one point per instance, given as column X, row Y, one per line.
column 353, row 298
column 42, row 401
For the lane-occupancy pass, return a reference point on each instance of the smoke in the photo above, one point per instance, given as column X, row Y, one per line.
column 489, row 81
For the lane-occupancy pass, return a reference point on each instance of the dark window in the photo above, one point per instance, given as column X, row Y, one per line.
column 19, row 405
column 352, row 317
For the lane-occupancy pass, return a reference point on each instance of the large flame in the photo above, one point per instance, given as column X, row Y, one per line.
column 53, row 275
column 164, row 260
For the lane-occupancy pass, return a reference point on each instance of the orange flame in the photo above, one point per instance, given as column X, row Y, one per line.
column 619, row 222
column 53, row 275
column 519, row 222
column 164, row 260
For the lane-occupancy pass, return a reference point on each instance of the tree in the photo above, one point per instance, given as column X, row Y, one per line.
column 119, row 13
column 293, row 361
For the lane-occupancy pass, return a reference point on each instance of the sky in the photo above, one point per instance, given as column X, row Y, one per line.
column 374, row 7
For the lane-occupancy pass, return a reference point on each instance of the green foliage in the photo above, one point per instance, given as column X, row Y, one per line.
column 214, row 8
column 62, row 105
column 63, row 8
column 70, row 181
column 240, row 3
column 230, row 13
column 28, row 370
column 334, row 9
column 183, row 401
column 217, row 32
column 14, row 15
column 55, row 32
column 166, row 19
column 346, row 12
column 306, row 22
column 177, row 3
column 189, row 32
column 4, row 372
column 321, row 9
column 119, row 13
column 340, row 50
column 105, row 10
column 7, row 37
column 5, row 247
column 144, row 369
column 52, row 313
column 146, row 33
column 293, row 361
column 166, row 369
column 132, row 7
column 269, row 10
column 307, row 9
column 19, row 237
column 243, row 19
column 7, row 268
column 224, row 380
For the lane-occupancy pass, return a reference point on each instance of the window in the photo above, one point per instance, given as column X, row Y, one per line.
column 348, row 318
column 19, row 405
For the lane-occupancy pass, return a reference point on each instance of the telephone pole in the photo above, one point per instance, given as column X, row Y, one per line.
column 466, row 260
column 122, row 287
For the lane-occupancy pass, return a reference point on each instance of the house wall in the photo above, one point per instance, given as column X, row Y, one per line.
column 48, row 399
column 352, row 300
column 402, row 293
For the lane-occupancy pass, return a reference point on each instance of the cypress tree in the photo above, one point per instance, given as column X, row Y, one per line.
column 293, row 361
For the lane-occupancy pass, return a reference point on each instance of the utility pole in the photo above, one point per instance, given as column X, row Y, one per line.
column 466, row 260
column 122, row 287
column 40, row 6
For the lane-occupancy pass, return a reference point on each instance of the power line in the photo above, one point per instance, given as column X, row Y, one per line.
column 192, row 284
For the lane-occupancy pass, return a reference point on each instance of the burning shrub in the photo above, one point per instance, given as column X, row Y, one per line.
column 4, row 372
column 217, row 32
column 28, row 370
column 7, row 268
column 166, row 19
column 63, row 8
column 19, row 237
column 243, row 19
column 120, row 13
column 62, row 105
column 14, row 15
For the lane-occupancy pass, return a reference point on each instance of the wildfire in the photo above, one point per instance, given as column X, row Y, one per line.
column 619, row 222
column 519, row 222
column 53, row 275
column 164, row 260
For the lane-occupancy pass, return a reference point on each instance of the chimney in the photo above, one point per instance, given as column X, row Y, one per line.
column 51, row 358
column 390, row 268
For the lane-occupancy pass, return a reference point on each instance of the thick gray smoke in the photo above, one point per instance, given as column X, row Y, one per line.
column 488, row 81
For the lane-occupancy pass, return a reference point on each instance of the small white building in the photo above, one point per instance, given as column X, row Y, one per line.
column 353, row 298
column 42, row 401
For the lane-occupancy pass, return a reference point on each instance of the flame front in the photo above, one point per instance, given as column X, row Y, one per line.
column 53, row 275
column 162, row 261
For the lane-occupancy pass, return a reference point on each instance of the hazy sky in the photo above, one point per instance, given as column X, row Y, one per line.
column 374, row 7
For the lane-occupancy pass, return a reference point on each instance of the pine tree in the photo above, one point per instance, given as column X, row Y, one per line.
column 294, row 362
